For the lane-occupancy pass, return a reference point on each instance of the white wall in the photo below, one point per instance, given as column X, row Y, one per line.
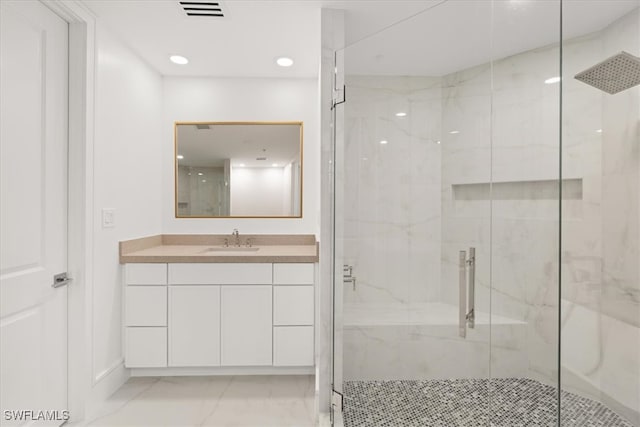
column 236, row 99
column 287, row 191
column 127, row 176
column 257, row 191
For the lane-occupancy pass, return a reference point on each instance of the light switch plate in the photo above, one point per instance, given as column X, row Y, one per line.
column 108, row 218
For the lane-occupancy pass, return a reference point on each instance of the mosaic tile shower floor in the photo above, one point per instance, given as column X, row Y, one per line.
column 515, row 402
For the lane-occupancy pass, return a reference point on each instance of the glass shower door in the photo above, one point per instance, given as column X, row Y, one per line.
column 447, row 210
column 413, row 170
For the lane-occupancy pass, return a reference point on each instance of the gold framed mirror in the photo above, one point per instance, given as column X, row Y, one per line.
column 238, row 169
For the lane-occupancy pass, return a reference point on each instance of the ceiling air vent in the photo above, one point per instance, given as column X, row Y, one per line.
column 203, row 127
column 211, row 9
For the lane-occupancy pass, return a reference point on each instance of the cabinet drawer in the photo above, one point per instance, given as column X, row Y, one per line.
column 220, row 274
column 293, row 305
column 293, row 274
column 293, row 346
column 146, row 348
column 146, row 274
column 146, row 306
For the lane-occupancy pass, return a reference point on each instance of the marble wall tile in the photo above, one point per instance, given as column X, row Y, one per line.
column 392, row 190
column 432, row 352
column 601, row 258
column 591, row 368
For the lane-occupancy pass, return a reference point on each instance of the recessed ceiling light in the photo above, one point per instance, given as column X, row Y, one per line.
column 453, row 132
column 599, row 130
column 401, row 114
column 275, row 165
column 384, row 141
column 437, row 142
column 284, row 61
column 177, row 59
column 200, row 174
column 552, row 80
column 204, row 180
column 241, row 165
column 180, row 157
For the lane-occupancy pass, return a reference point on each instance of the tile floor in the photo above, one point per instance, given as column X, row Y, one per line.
column 249, row 401
column 513, row 402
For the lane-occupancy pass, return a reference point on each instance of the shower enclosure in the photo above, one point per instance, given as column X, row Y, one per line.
column 487, row 219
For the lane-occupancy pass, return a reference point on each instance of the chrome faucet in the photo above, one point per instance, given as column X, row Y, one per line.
column 236, row 235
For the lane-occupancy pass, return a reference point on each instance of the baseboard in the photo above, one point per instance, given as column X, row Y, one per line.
column 223, row 370
column 105, row 384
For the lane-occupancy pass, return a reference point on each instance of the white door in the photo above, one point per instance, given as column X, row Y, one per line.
column 33, row 208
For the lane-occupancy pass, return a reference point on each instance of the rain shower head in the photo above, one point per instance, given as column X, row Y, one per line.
column 613, row 75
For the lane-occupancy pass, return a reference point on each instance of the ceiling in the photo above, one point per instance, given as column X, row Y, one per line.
column 460, row 34
column 447, row 36
column 246, row 42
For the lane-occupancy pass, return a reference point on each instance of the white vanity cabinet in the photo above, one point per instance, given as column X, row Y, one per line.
column 219, row 316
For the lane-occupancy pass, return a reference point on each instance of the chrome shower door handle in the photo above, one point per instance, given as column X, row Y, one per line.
column 471, row 315
column 467, row 318
column 462, row 295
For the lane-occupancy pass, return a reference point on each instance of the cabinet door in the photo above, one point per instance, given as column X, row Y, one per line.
column 194, row 325
column 246, row 325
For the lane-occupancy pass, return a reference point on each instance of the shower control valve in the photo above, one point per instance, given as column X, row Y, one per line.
column 348, row 276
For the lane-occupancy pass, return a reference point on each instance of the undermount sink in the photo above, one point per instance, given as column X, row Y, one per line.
column 230, row 249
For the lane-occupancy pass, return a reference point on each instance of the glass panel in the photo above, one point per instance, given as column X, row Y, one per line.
column 525, row 212
column 601, row 228
column 413, row 157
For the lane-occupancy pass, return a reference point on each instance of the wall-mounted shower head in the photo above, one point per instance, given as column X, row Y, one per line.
column 613, row 75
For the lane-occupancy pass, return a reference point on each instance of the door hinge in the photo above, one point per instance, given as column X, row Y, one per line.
column 339, row 97
column 337, row 400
